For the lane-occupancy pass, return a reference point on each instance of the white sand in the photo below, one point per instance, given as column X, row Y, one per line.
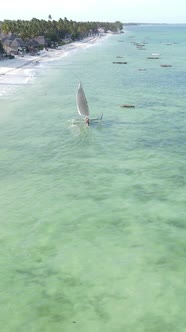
column 21, row 70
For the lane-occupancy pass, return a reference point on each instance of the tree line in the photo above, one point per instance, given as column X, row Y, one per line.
column 54, row 30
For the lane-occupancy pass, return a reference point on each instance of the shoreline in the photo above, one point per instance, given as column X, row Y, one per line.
column 21, row 70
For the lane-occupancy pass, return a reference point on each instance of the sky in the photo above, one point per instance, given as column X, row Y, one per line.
column 143, row 11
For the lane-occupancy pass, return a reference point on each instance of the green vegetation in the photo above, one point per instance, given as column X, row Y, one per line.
column 55, row 31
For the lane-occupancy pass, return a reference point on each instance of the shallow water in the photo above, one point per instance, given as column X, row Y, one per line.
column 93, row 219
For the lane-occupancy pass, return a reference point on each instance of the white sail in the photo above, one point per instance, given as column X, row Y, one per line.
column 82, row 105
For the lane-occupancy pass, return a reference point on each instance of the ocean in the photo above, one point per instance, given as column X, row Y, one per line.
column 93, row 219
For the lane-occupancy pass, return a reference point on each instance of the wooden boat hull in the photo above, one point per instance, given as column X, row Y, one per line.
column 91, row 120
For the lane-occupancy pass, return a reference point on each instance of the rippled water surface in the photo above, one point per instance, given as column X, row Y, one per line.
column 93, row 221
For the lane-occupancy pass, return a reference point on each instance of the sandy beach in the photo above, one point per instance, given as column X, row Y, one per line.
column 21, row 70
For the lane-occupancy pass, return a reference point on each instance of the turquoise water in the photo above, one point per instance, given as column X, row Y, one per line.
column 93, row 220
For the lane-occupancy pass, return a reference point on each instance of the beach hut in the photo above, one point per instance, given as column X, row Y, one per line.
column 9, row 36
column 18, row 45
column 13, row 46
column 32, row 46
column 40, row 40
column 6, row 45
column 1, row 50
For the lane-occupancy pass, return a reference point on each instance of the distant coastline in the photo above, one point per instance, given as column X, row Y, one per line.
column 25, row 44
column 21, row 70
column 141, row 23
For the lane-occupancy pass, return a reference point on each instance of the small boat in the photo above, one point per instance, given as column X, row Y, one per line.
column 120, row 62
column 83, row 108
column 127, row 106
column 166, row 65
column 153, row 57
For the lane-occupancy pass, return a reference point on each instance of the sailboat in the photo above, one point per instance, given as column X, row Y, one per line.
column 82, row 106
column 81, row 102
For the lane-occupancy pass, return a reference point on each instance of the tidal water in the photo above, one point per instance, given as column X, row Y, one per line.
column 93, row 219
